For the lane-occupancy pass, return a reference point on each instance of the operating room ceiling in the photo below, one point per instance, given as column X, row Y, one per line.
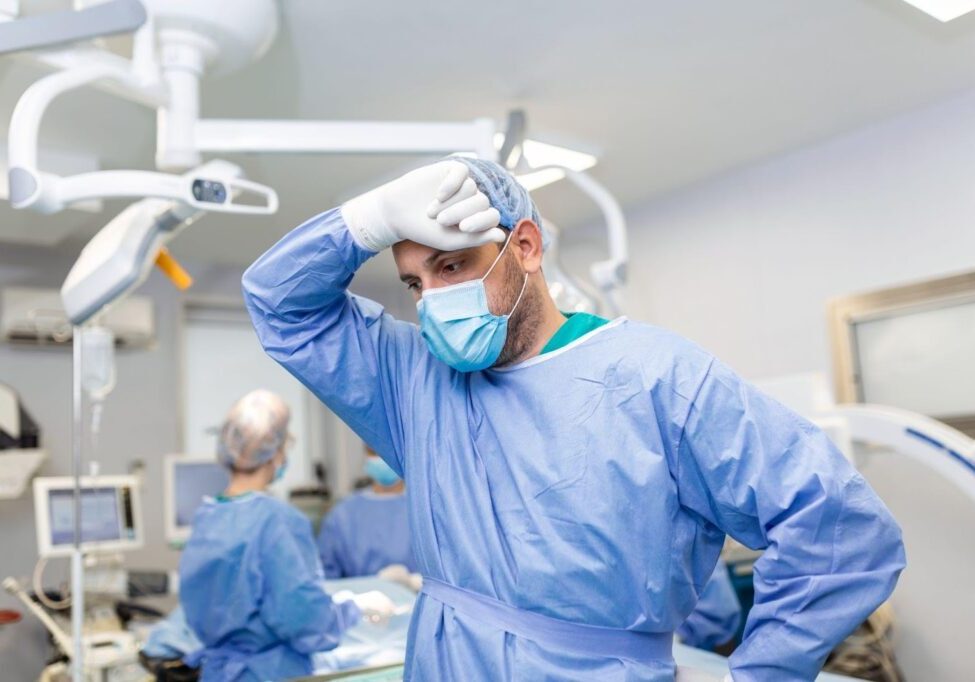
column 667, row 93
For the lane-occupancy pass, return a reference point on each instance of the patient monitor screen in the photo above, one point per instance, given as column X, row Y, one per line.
column 105, row 515
column 192, row 481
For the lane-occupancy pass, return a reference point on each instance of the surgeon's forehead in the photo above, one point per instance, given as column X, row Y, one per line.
column 412, row 258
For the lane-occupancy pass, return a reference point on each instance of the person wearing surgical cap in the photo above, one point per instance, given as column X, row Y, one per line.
column 571, row 479
column 368, row 531
column 250, row 576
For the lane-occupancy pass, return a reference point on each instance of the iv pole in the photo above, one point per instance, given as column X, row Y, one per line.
column 77, row 451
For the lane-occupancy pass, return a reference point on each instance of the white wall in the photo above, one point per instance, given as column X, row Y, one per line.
column 744, row 264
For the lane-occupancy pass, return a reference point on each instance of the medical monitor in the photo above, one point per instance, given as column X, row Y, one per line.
column 188, row 480
column 111, row 514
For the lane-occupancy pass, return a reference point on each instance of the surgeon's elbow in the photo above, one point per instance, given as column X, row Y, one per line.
column 250, row 282
column 894, row 539
column 254, row 290
column 883, row 551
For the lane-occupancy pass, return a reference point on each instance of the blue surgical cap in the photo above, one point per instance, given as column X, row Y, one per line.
column 255, row 429
column 505, row 193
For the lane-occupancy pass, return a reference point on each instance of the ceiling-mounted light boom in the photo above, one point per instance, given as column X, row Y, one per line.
column 69, row 26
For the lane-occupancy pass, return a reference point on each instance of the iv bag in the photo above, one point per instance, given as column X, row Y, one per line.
column 97, row 362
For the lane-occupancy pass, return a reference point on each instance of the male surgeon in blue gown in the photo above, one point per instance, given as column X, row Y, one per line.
column 571, row 478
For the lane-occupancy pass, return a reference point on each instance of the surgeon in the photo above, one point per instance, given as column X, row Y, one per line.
column 368, row 531
column 716, row 617
column 571, row 479
column 250, row 576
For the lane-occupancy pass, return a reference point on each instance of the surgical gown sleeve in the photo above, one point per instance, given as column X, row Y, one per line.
column 295, row 605
column 772, row 480
column 717, row 614
column 353, row 357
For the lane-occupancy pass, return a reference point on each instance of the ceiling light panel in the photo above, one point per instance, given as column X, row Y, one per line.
column 944, row 10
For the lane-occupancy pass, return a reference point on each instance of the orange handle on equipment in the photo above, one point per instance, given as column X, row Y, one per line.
column 173, row 270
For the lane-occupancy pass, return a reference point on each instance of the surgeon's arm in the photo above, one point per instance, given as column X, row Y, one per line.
column 351, row 355
column 772, row 480
column 295, row 605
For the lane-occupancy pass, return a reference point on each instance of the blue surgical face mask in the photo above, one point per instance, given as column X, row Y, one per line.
column 458, row 325
column 279, row 472
column 380, row 472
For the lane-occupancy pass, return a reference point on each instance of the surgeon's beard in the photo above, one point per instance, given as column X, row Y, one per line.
column 524, row 323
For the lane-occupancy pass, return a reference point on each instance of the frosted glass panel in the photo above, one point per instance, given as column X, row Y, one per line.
column 922, row 361
column 223, row 362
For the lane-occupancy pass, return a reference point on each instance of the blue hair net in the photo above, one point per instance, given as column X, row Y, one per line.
column 255, row 429
column 505, row 193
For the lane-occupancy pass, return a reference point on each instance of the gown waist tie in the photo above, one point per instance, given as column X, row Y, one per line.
column 590, row 640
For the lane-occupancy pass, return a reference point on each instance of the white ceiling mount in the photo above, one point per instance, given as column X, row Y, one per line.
column 944, row 10
column 240, row 35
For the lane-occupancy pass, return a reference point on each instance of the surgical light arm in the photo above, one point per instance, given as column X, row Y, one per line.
column 345, row 137
column 174, row 47
column 609, row 275
column 210, row 190
column 118, row 259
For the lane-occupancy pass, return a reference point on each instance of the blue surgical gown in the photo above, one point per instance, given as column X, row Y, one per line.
column 717, row 614
column 594, row 484
column 251, row 585
column 365, row 533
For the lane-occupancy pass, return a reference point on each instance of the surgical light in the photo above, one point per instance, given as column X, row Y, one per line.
column 944, row 10
column 540, row 154
column 544, row 156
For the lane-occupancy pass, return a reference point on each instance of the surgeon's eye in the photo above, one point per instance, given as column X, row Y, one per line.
column 414, row 287
column 452, row 268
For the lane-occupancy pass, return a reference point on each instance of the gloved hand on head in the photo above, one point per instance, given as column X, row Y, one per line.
column 438, row 205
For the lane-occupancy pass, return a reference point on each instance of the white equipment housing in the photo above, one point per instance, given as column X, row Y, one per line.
column 111, row 514
column 118, row 259
column 37, row 316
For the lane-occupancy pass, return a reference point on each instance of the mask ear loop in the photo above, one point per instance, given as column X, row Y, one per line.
column 524, row 285
column 524, row 282
column 498, row 259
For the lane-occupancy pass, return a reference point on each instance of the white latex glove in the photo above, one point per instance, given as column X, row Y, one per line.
column 438, row 205
column 375, row 605
column 685, row 674
column 398, row 573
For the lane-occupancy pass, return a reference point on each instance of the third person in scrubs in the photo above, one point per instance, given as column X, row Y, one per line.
column 369, row 530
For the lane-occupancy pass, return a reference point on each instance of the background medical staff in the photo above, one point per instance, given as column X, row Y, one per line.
column 369, row 530
column 716, row 616
column 250, row 577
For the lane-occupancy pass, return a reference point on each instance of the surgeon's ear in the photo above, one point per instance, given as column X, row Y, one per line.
column 526, row 239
